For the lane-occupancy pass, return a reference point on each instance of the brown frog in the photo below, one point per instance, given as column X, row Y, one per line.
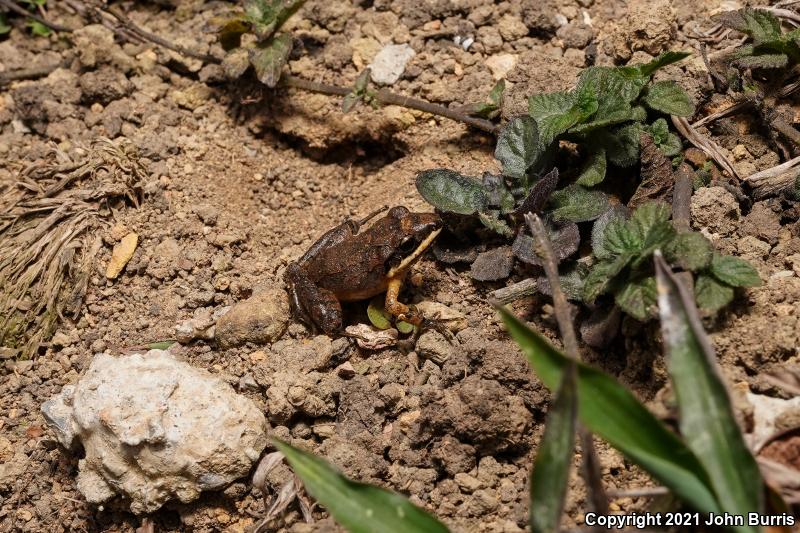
column 345, row 265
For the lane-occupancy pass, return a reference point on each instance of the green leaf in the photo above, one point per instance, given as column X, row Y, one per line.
column 637, row 297
column 626, row 113
column 613, row 88
column 160, row 345
column 712, row 294
column 762, row 26
column 37, row 28
column 599, row 247
column 621, row 238
column 491, row 219
column 451, row 192
column 690, row 251
column 734, row 271
column 707, row 422
column 550, row 475
column 555, row 113
column 667, row 58
column 518, row 147
column 377, row 313
column 404, row 327
column 4, row 26
column 601, row 275
column 236, row 63
column 672, row 146
column 358, row 507
column 358, row 92
column 578, row 204
column 610, row 411
column 621, row 144
column 269, row 57
column 670, row 98
column 267, row 16
column 497, row 193
column 594, row 170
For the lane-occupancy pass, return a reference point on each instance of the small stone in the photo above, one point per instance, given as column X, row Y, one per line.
column 390, row 62
column 501, row 64
column 433, row 346
column 493, row 265
column 454, row 320
column 467, row 483
column 740, row 152
column 121, row 254
column 715, row 209
column 794, row 262
column 512, row 28
column 260, row 319
column 192, row 97
column 346, row 370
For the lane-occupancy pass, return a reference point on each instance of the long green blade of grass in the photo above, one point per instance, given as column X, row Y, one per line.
column 551, row 468
column 359, row 507
column 610, row 411
column 706, row 418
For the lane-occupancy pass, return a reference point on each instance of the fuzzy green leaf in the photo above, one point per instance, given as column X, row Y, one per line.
column 762, row 26
column 707, row 420
column 610, row 411
column 712, row 294
column 637, row 297
column 518, row 147
column 652, row 226
column 599, row 247
column 670, row 98
column 497, row 193
column 360, row 508
column 734, row 271
column 690, row 251
column 578, row 204
column 601, row 275
column 451, row 192
column 621, row 238
column 594, row 170
column 550, row 475
column 621, row 144
column 491, row 219
column 625, row 113
column 613, row 88
column 269, row 57
column 665, row 140
column 37, row 28
column 267, row 16
column 555, row 113
column 667, row 58
column 4, row 26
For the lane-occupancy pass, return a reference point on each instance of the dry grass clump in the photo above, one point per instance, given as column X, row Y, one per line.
column 49, row 236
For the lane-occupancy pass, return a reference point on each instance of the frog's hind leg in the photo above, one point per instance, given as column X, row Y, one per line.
column 318, row 306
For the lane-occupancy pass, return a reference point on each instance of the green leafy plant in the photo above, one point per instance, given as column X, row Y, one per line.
column 35, row 26
column 490, row 108
column 623, row 249
column 252, row 37
column 771, row 48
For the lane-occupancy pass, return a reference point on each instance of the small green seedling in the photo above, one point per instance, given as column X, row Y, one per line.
column 491, row 108
column 771, row 48
column 252, row 38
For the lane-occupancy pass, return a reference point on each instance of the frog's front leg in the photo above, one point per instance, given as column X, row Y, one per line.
column 316, row 304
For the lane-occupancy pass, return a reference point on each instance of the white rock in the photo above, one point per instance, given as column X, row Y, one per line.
column 154, row 428
column 501, row 64
column 389, row 64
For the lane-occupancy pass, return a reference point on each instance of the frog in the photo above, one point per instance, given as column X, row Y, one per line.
column 347, row 265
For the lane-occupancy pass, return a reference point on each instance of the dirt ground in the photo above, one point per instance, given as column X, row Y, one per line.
column 241, row 180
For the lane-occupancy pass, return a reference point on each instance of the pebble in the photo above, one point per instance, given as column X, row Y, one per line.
column 390, row 62
column 501, row 64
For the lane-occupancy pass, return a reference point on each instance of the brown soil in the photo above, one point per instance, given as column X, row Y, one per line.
column 242, row 180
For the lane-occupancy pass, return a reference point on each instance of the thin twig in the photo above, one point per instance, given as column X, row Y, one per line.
column 786, row 14
column 31, row 73
column 705, row 144
column 512, row 293
column 777, row 170
column 13, row 6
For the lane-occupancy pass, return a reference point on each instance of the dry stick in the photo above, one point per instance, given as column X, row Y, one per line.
column 783, row 92
column 709, row 147
column 591, row 464
column 774, row 180
column 521, row 289
column 30, row 73
column 25, row 13
column 386, row 97
column 682, row 212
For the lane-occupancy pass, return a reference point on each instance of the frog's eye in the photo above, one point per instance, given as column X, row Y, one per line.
column 408, row 245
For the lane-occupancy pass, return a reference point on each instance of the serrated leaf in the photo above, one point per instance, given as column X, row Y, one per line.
column 594, row 170
column 670, row 98
column 762, row 26
column 377, row 313
column 621, row 238
column 518, row 147
column 621, row 144
column 267, row 16
column 690, row 251
column 550, row 474
column 712, row 294
column 672, row 146
column 269, row 57
column 451, row 192
column 610, row 411
column 652, row 226
column 555, row 113
column 625, row 113
column 707, row 419
column 599, row 247
column 667, row 58
column 578, row 204
column 637, row 297
column 601, row 275
column 360, row 508
column 734, row 271
column 614, row 89
column 766, row 61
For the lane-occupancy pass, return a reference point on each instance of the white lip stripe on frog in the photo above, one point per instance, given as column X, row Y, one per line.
column 416, row 254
